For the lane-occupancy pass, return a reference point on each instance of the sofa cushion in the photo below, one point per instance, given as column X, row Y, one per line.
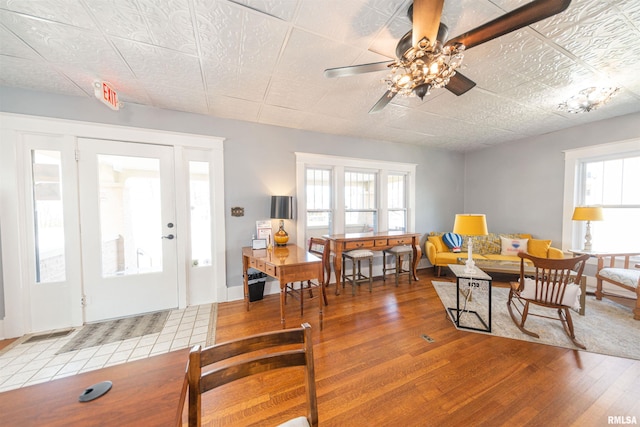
column 512, row 246
column 626, row 276
column 438, row 243
column 539, row 248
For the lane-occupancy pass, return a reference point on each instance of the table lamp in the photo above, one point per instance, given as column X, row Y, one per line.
column 281, row 208
column 587, row 213
column 470, row 225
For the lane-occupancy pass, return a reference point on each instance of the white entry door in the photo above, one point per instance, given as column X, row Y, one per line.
column 128, row 229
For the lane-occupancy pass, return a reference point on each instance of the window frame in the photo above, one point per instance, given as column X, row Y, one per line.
column 338, row 165
column 405, row 198
column 573, row 231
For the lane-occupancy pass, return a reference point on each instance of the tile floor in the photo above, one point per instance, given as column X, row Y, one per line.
column 32, row 363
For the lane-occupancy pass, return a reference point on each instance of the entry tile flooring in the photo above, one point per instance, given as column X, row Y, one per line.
column 32, row 363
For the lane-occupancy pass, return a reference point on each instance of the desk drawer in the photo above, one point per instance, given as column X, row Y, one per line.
column 401, row 241
column 270, row 270
column 381, row 242
column 358, row 244
column 252, row 262
column 260, row 265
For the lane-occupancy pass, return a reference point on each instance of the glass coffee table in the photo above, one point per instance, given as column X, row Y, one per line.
column 513, row 267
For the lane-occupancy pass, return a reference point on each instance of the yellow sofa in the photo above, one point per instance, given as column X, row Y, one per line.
column 484, row 247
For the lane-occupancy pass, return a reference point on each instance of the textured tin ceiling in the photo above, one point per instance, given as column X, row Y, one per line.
column 263, row 61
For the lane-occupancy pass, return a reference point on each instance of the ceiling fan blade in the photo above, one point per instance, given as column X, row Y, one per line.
column 426, row 20
column 353, row 70
column 382, row 102
column 459, row 84
column 521, row 17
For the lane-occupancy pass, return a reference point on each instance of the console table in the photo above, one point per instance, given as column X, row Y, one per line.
column 373, row 241
column 287, row 264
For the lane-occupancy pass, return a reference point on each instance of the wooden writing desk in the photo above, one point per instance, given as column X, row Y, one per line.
column 145, row 393
column 373, row 241
column 287, row 264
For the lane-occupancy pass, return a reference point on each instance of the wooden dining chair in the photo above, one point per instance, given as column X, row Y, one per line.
column 223, row 363
column 320, row 248
column 554, row 285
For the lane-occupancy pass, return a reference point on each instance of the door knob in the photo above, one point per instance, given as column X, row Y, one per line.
column 169, row 236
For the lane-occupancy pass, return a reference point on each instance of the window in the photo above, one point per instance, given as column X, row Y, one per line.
column 604, row 175
column 360, row 202
column 338, row 195
column 48, row 216
column 397, row 202
column 318, row 196
column 614, row 185
column 200, row 203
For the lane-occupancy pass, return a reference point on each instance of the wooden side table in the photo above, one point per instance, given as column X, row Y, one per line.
column 473, row 299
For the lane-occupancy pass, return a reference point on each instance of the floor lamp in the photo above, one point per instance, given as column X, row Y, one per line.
column 470, row 225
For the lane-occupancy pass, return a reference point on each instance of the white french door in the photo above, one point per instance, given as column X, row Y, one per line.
column 128, row 232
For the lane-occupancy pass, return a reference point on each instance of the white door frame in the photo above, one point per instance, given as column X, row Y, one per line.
column 14, row 246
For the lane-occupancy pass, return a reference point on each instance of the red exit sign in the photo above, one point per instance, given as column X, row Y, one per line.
column 108, row 95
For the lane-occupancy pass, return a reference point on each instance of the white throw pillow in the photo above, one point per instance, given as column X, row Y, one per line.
column 512, row 246
column 571, row 294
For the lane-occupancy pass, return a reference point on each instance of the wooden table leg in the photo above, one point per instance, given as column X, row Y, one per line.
column 245, row 275
column 337, row 267
column 282, row 302
column 417, row 254
column 583, row 294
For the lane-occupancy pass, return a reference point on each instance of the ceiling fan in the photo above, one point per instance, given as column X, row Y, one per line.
column 425, row 59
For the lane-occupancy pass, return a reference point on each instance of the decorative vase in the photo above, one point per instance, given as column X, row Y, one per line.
column 281, row 237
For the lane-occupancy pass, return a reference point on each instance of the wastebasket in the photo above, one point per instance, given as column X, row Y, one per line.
column 256, row 286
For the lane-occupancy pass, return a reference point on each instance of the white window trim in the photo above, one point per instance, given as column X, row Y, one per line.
column 338, row 164
column 572, row 231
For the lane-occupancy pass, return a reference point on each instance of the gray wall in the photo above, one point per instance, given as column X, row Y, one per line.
column 2, row 309
column 519, row 186
column 260, row 160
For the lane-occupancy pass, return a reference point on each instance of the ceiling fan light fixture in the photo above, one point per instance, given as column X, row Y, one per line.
column 588, row 99
column 425, row 66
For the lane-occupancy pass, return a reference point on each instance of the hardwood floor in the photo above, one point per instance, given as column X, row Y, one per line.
column 374, row 367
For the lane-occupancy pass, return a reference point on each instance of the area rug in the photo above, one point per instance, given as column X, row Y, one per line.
column 95, row 334
column 607, row 327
